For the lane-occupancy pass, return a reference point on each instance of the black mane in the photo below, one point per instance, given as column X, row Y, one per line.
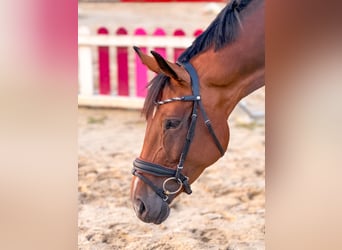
column 223, row 30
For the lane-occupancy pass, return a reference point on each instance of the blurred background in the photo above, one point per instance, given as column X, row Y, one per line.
column 226, row 210
column 40, row 135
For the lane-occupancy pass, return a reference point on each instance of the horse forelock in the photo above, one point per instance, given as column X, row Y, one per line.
column 153, row 94
column 223, row 30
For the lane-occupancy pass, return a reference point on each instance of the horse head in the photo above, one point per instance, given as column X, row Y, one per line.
column 174, row 142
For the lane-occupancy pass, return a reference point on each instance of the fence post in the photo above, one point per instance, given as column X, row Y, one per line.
column 104, row 77
column 122, row 64
column 141, row 70
column 85, row 70
column 178, row 51
column 160, row 50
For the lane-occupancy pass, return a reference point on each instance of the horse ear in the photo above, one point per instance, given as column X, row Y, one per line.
column 159, row 65
column 149, row 61
column 172, row 70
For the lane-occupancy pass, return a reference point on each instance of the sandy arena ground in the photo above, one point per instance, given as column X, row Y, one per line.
column 227, row 207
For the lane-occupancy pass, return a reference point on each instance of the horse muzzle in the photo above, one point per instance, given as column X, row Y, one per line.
column 151, row 209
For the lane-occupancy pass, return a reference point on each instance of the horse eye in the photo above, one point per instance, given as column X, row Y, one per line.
column 172, row 123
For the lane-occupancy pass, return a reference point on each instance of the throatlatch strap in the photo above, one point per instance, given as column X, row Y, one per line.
column 196, row 91
column 211, row 130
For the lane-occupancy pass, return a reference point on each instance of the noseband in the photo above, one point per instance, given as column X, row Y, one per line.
column 141, row 166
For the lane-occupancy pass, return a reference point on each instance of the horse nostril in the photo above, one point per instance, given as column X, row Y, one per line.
column 141, row 207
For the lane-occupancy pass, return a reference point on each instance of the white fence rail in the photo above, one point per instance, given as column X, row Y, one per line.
column 97, row 71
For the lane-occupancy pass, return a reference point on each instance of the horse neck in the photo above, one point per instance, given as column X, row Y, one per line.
column 236, row 70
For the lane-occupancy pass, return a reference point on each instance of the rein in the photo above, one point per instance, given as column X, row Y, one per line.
column 141, row 166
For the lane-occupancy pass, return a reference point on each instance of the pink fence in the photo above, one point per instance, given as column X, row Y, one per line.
column 109, row 53
column 121, row 58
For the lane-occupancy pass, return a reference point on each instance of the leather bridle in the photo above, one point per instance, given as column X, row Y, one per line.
column 140, row 166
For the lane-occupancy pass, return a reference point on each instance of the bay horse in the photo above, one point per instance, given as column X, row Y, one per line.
column 188, row 104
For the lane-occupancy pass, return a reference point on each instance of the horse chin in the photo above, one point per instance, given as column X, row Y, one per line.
column 164, row 213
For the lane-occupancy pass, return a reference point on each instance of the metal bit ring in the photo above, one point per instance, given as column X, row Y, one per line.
column 168, row 192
